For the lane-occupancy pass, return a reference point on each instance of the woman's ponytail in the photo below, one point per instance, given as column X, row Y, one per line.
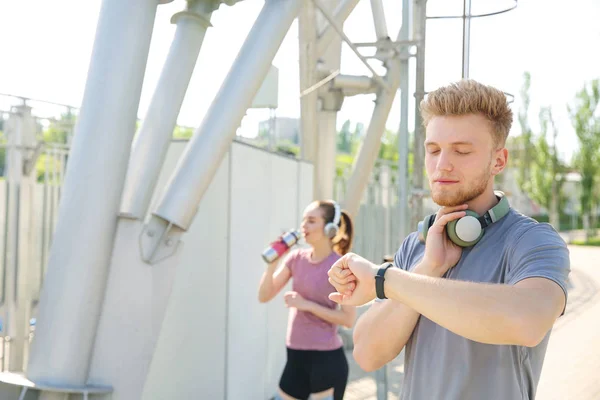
column 343, row 242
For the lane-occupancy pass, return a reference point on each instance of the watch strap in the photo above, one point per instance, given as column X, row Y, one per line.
column 380, row 278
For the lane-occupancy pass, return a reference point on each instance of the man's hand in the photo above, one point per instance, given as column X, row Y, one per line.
column 440, row 253
column 294, row 299
column 354, row 279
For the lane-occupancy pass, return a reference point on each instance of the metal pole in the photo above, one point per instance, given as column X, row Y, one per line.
column 382, row 383
column 345, row 38
column 419, row 25
column 307, row 36
column 364, row 162
column 330, row 102
column 152, row 142
column 327, row 34
column 136, row 296
column 73, row 291
column 14, row 178
column 403, row 134
column 379, row 19
column 353, row 83
column 324, row 168
column 466, row 49
column 212, row 139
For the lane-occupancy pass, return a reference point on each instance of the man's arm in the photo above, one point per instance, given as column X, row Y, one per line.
column 381, row 333
column 519, row 314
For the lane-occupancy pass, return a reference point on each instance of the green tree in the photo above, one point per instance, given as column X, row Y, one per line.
column 263, row 134
column 547, row 172
column 182, row 132
column 389, row 146
column 357, row 137
column 344, row 139
column 60, row 130
column 587, row 127
column 525, row 148
column 288, row 148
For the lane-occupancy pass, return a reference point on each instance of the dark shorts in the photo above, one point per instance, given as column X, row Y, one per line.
column 313, row 371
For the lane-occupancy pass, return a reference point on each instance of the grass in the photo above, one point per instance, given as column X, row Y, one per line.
column 595, row 241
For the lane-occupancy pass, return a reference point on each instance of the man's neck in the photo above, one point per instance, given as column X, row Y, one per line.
column 484, row 202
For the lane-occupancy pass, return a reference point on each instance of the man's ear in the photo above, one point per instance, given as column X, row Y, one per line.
column 500, row 160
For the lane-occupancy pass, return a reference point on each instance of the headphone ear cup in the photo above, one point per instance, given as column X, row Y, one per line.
column 424, row 226
column 331, row 230
column 465, row 231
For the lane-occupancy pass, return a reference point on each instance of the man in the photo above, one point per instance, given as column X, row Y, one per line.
column 475, row 320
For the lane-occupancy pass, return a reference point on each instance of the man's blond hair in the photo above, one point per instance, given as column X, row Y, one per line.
column 470, row 97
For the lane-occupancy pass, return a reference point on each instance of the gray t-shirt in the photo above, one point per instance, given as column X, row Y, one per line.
column 441, row 365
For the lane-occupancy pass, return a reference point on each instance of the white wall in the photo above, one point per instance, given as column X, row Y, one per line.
column 192, row 331
column 217, row 340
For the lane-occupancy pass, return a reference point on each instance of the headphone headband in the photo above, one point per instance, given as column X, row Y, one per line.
column 331, row 228
column 497, row 212
column 337, row 213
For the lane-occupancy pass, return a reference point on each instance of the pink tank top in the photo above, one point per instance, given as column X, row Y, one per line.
column 305, row 330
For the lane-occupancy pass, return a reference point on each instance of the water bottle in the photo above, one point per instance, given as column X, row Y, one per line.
column 280, row 246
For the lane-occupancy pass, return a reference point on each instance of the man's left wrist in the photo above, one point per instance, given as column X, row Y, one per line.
column 380, row 280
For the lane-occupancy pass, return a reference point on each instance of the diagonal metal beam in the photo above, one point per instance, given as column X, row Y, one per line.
column 212, row 139
column 379, row 19
column 152, row 141
column 72, row 296
column 340, row 14
column 367, row 155
column 345, row 38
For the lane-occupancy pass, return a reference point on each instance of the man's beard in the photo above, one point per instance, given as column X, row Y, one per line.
column 463, row 195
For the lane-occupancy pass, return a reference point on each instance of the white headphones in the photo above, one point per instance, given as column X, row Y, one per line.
column 332, row 228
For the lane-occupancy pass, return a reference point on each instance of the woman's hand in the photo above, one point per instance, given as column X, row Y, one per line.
column 294, row 299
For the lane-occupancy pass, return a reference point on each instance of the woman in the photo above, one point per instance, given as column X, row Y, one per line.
column 316, row 363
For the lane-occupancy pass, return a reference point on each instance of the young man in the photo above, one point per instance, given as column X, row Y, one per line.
column 476, row 316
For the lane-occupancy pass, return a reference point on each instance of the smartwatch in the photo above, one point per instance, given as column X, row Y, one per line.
column 379, row 279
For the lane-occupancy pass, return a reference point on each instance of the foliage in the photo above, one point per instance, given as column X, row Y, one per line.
column 541, row 174
column 525, row 147
column 182, row 132
column 586, row 122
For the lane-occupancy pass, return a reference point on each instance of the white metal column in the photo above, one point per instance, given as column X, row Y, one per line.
column 403, row 139
column 324, row 171
column 212, row 139
column 16, row 298
column 137, row 294
column 327, row 34
column 367, row 155
column 329, row 103
column 379, row 19
column 73, row 290
column 418, row 177
column 152, row 142
column 307, row 38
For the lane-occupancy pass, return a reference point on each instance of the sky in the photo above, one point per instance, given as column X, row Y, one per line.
column 46, row 54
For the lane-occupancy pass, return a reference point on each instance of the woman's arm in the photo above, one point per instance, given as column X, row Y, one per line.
column 345, row 315
column 273, row 281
